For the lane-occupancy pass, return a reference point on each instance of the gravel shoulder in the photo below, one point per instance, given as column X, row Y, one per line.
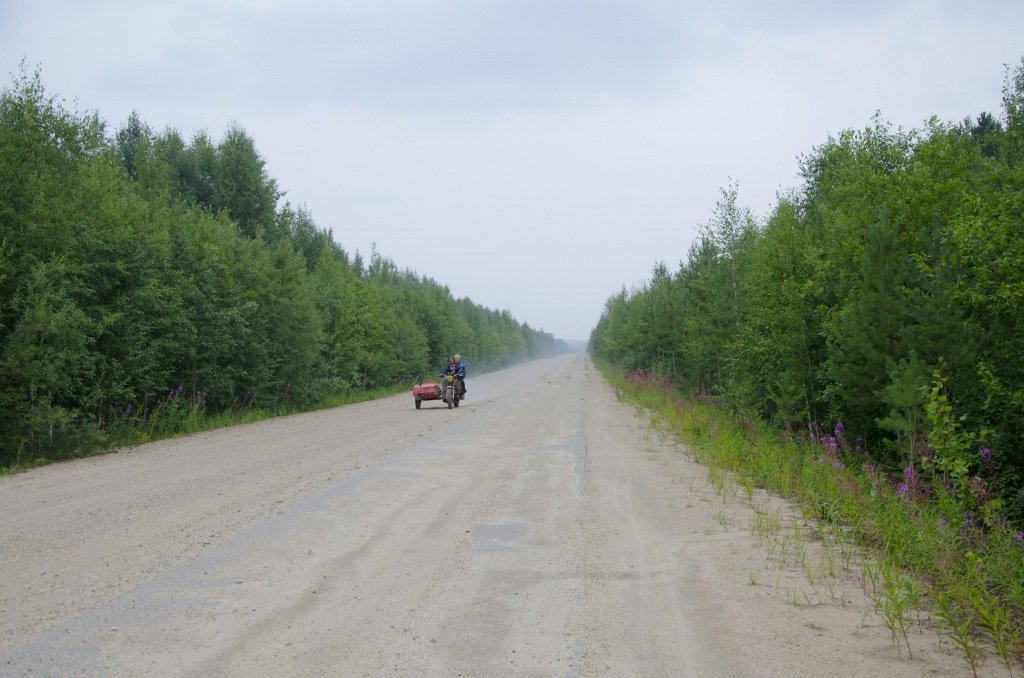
column 541, row 529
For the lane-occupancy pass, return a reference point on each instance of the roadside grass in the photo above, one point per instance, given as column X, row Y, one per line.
column 175, row 416
column 922, row 557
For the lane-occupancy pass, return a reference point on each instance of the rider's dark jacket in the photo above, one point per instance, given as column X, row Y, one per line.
column 458, row 370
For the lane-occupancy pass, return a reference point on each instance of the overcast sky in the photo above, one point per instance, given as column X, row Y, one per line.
column 533, row 155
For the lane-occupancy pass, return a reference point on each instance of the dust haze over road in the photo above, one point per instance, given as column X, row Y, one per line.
column 538, row 530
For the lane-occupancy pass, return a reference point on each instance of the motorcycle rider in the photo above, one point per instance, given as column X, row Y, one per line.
column 462, row 372
column 457, row 370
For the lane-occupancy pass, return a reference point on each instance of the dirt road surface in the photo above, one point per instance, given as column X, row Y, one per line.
column 540, row 529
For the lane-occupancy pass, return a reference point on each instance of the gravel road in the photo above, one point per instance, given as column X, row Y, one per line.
column 540, row 529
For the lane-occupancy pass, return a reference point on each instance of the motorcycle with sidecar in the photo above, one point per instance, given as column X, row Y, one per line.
column 449, row 391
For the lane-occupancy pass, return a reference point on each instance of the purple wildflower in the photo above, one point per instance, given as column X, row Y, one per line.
column 839, row 427
column 902, row 489
column 1018, row 538
column 986, row 453
column 941, row 522
column 908, row 472
column 836, row 464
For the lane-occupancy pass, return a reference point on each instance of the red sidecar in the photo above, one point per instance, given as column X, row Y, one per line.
column 427, row 390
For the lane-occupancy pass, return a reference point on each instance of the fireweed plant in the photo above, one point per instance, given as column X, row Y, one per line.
column 937, row 546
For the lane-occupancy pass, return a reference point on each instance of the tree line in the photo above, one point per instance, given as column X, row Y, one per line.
column 886, row 294
column 146, row 280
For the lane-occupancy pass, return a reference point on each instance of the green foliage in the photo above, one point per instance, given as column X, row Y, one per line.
column 780, row 346
column 242, row 187
column 46, row 358
column 149, row 285
column 902, row 253
column 952, row 447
